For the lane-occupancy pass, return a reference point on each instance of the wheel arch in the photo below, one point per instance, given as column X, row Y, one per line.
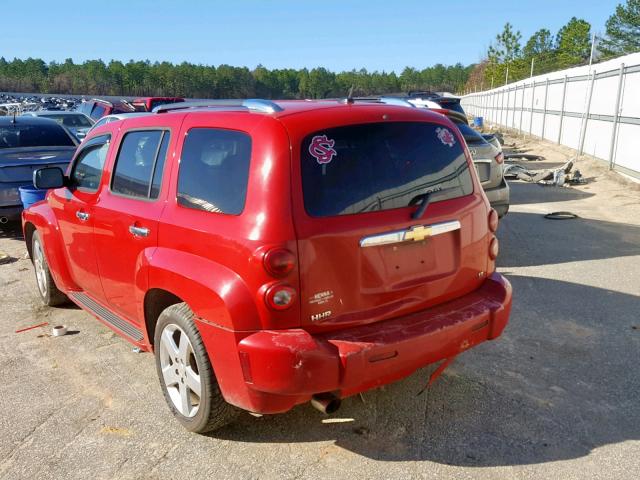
column 156, row 300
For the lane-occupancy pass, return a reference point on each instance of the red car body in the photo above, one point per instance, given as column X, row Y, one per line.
column 392, row 309
column 147, row 104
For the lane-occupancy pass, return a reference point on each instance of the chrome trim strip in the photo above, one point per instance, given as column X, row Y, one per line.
column 400, row 236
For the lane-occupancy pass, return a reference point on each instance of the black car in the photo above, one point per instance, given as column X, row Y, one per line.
column 28, row 143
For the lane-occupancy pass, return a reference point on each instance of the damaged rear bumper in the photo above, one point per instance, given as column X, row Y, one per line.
column 282, row 368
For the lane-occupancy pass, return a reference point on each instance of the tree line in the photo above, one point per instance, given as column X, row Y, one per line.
column 144, row 78
column 507, row 60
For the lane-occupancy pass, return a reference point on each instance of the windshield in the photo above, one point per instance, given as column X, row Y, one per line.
column 381, row 166
column 52, row 135
column 70, row 120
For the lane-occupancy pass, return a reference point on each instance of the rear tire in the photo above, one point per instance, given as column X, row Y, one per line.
column 188, row 383
column 49, row 292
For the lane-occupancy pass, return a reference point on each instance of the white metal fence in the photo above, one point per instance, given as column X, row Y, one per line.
column 595, row 110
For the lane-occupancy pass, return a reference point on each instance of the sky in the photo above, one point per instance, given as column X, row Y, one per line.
column 338, row 35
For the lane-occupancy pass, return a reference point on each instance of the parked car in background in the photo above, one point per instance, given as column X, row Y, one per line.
column 26, row 144
column 77, row 123
column 97, row 108
column 115, row 117
column 274, row 253
column 445, row 100
column 147, row 104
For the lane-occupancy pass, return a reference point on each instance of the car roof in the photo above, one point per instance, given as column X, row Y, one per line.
column 44, row 113
column 122, row 116
column 285, row 108
column 26, row 120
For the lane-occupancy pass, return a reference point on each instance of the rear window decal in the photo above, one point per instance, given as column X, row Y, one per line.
column 321, row 148
column 446, row 137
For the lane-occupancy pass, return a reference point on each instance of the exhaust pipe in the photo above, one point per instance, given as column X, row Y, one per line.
column 326, row 402
column 4, row 220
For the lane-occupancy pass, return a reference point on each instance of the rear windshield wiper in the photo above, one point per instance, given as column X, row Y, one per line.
column 424, row 203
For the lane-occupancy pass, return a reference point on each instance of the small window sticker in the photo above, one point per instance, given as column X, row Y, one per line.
column 446, row 137
column 321, row 148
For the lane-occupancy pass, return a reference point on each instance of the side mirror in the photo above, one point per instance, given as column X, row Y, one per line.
column 48, row 178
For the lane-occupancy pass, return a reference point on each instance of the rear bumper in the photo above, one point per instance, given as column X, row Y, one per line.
column 498, row 196
column 11, row 214
column 281, row 368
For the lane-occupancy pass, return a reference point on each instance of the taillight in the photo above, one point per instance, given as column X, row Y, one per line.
column 494, row 248
column 493, row 220
column 500, row 158
column 279, row 261
column 280, row 297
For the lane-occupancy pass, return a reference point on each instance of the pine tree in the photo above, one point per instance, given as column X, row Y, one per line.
column 622, row 30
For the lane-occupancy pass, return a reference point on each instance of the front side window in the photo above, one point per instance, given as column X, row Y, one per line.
column 214, row 170
column 87, row 170
column 139, row 156
column 381, row 166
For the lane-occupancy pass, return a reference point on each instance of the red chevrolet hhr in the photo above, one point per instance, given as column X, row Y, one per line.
column 274, row 253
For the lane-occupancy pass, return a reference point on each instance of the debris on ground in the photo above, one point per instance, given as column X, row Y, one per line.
column 552, row 176
column 59, row 330
column 4, row 257
column 561, row 216
column 43, row 324
column 511, row 156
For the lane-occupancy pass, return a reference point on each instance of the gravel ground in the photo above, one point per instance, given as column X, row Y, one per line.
column 557, row 396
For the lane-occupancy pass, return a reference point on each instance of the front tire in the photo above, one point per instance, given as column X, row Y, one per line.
column 186, row 376
column 49, row 292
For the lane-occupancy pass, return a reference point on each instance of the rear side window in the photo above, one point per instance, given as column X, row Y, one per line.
column 98, row 111
column 39, row 135
column 381, row 166
column 139, row 165
column 214, row 170
column 87, row 169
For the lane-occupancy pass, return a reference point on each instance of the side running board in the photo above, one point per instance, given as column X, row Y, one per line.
column 109, row 317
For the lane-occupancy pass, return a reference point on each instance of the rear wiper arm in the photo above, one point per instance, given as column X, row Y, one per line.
column 423, row 206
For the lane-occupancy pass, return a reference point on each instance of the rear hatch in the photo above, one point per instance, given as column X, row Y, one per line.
column 18, row 164
column 363, row 258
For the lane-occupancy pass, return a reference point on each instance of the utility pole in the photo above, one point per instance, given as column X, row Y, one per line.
column 532, row 60
column 593, row 43
column 506, row 77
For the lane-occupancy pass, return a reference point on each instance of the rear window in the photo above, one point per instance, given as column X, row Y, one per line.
column 451, row 104
column 42, row 135
column 70, row 120
column 381, row 166
column 214, row 170
column 470, row 135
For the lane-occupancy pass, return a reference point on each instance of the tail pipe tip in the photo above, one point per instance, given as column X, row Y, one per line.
column 327, row 403
column 4, row 220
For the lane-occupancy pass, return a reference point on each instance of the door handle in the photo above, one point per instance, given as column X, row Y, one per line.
column 139, row 231
column 83, row 216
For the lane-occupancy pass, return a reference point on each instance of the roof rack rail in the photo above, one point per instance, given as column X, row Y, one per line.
column 400, row 102
column 255, row 104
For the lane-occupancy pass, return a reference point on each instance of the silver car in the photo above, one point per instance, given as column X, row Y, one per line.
column 117, row 116
column 77, row 123
column 489, row 162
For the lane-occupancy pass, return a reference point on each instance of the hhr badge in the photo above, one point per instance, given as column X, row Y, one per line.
column 320, row 316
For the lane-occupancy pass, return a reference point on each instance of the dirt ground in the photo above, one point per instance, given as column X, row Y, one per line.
column 557, row 396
